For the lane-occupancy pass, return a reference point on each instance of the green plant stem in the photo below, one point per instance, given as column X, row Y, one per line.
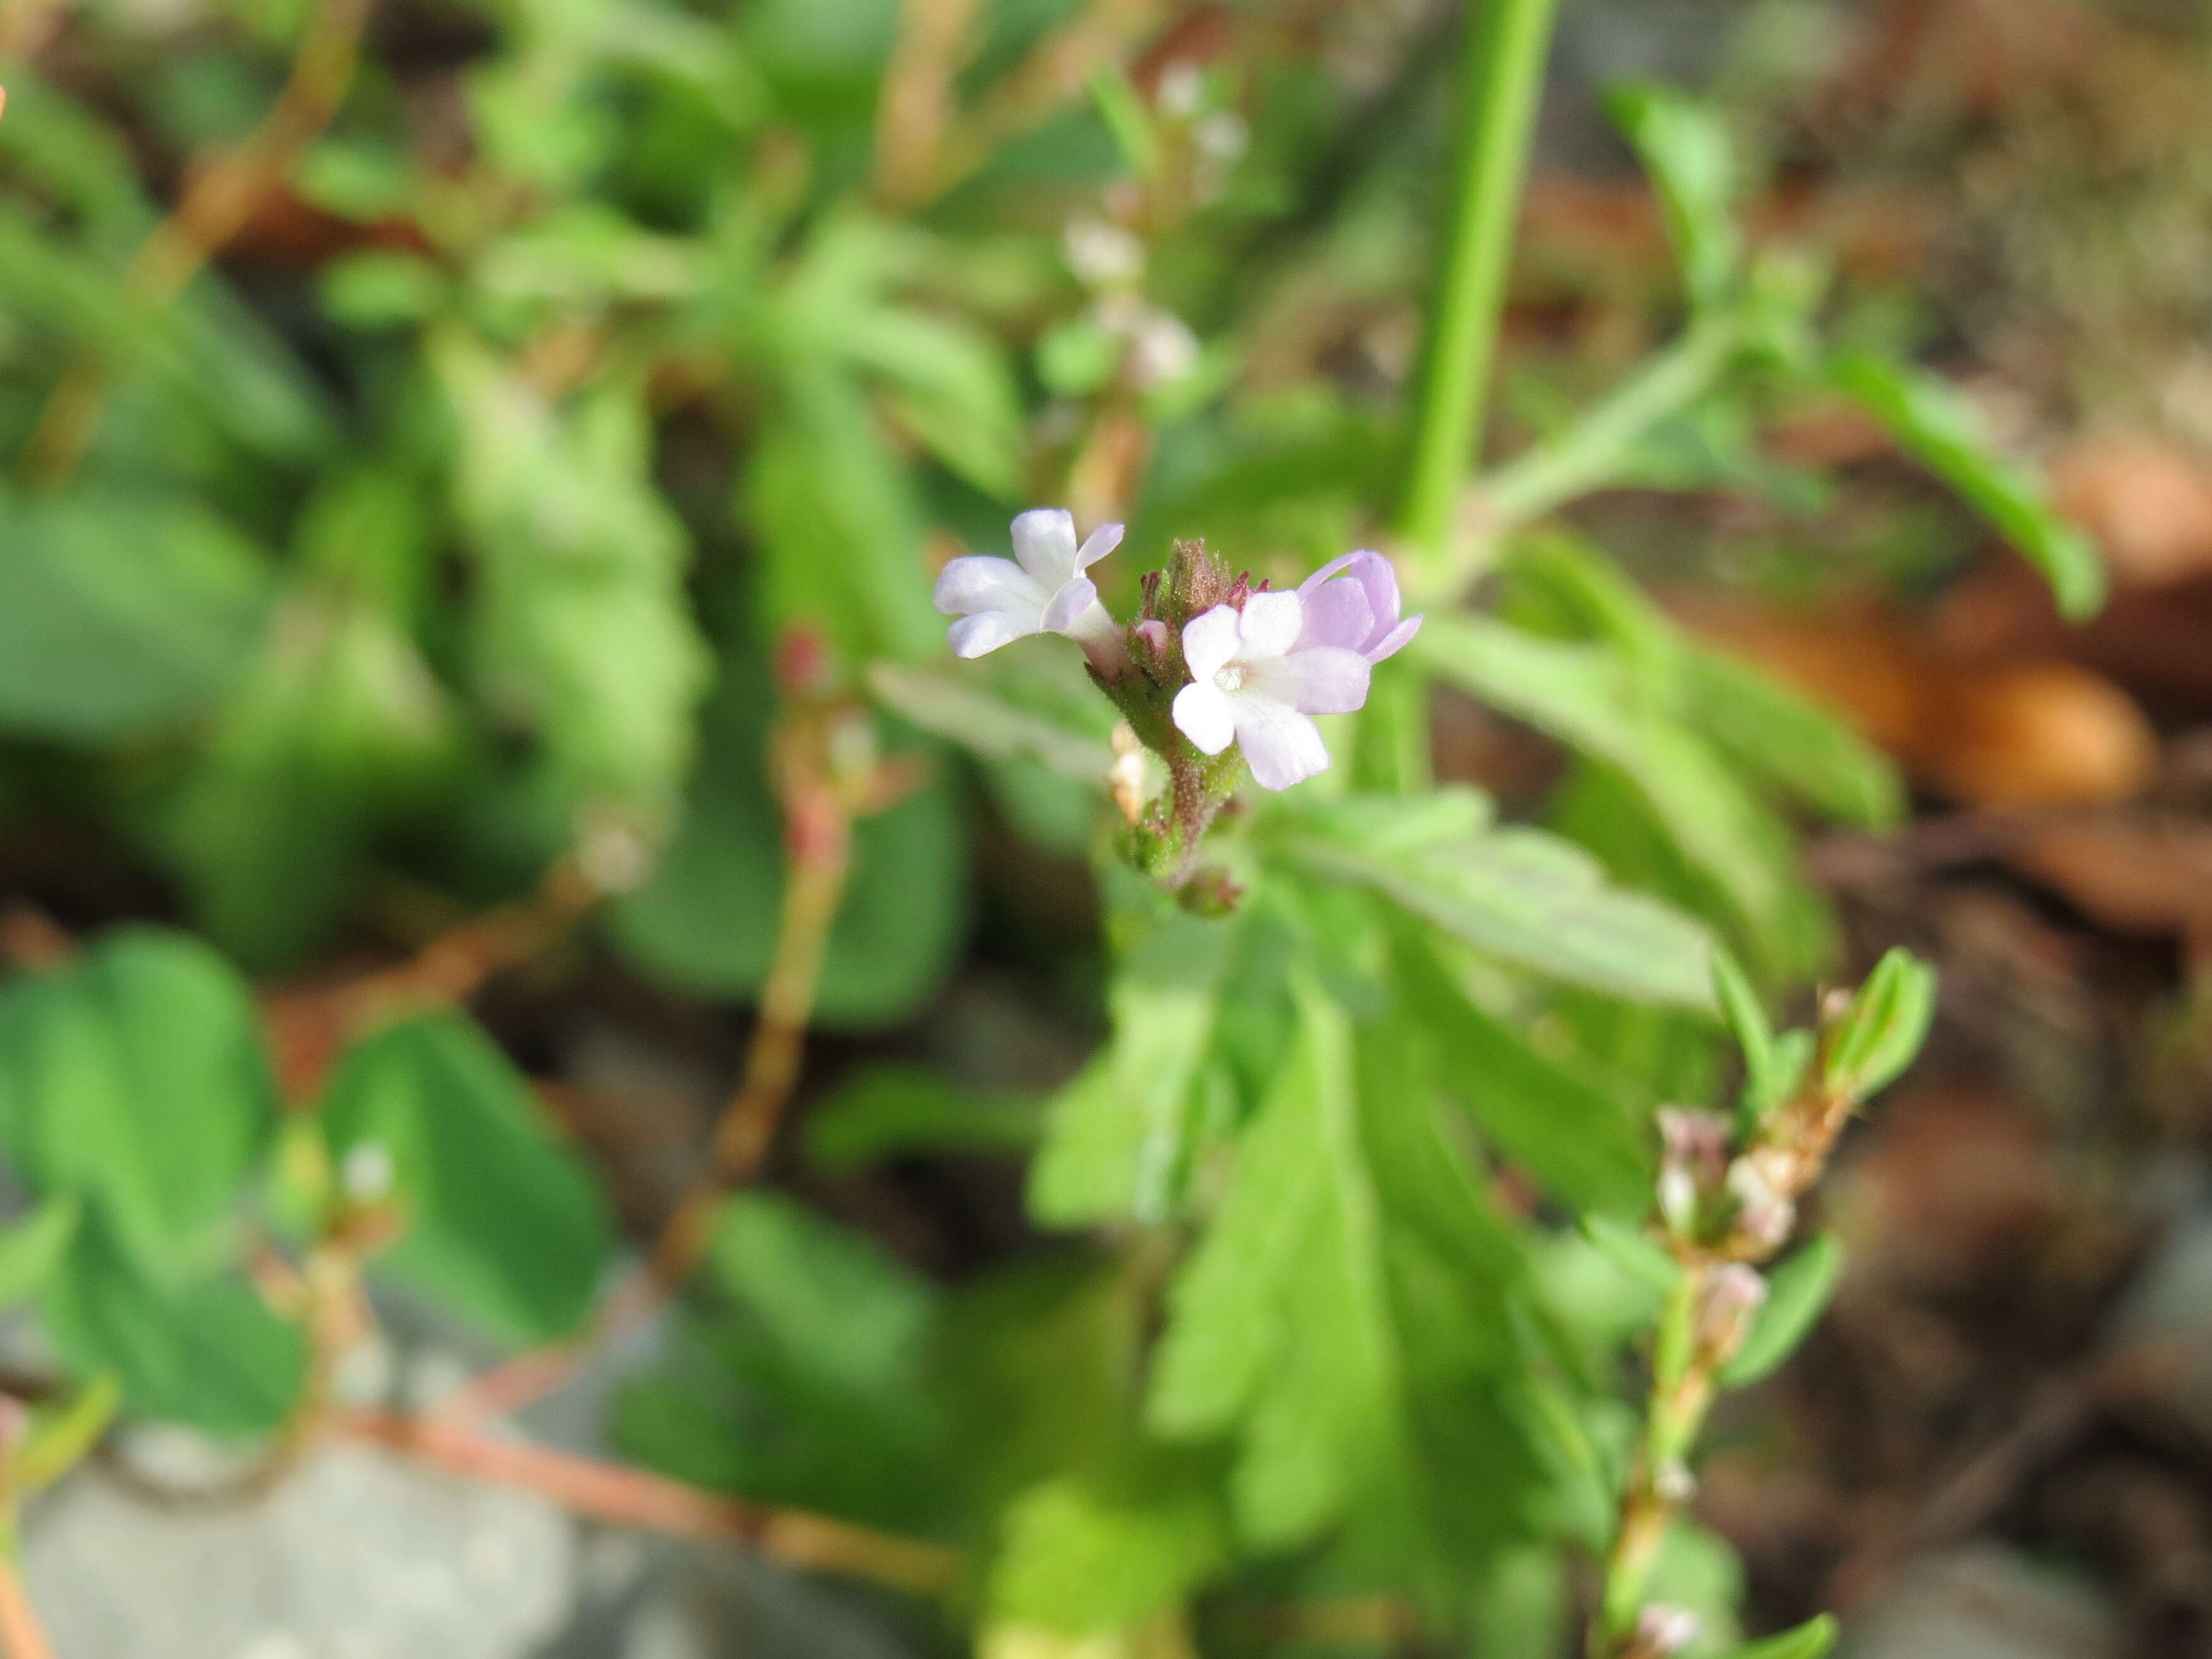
column 1682, row 1388
column 1507, row 43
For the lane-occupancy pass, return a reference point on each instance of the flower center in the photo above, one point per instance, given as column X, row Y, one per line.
column 1231, row 678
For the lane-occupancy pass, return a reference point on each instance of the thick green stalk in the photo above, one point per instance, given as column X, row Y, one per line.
column 1507, row 43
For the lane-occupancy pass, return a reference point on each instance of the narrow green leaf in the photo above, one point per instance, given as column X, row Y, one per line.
column 1789, row 742
column 504, row 1224
column 1632, row 1251
column 1937, row 424
column 1887, row 1021
column 894, row 1111
column 1126, row 117
column 1685, row 147
column 1746, row 1017
column 1797, row 1293
column 1530, row 899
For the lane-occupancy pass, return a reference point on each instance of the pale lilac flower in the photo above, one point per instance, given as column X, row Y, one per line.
column 1254, row 683
column 1040, row 589
column 1352, row 602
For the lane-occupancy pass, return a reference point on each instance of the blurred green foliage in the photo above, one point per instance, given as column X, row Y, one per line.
column 454, row 526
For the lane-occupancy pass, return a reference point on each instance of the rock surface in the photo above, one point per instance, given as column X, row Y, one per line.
column 359, row 1555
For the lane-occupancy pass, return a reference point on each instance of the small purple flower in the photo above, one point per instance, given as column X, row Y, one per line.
column 1040, row 589
column 1254, row 682
column 1352, row 602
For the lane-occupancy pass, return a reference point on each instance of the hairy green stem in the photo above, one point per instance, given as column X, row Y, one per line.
column 1507, row 43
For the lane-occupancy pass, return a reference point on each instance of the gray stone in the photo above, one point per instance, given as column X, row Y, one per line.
column 1984, row 1602
column 359, row 1555
column 2169, row 1305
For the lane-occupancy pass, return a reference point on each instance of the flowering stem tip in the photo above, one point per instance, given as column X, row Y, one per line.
column 1215, row 675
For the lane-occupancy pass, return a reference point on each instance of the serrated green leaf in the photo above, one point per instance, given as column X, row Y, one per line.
column 504, row 1224
column 204, row 1351
column 1585, row 697
column 134, row 1076
column 1797, row 1293
column 1119, row 1138
column 582, row 629
column 1530, row 899
column 1938, row 427
column 1079, row 1556
column 1342, row 1317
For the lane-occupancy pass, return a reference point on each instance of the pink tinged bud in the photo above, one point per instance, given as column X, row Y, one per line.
column 1663, row 1630
column 1733, row 1297
column 1254, row 683
column 1155, row 636
column 1761, row 1212
column 1040, row 589
column 1352, row 602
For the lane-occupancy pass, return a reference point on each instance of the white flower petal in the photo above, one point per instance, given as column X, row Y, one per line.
column 1395, row 641
column 1209, row 643
column 1281, row 745
column 1203, row 712
column 1097, row 546
column 1071, row 601
column 1324, row 679
column 1271, row 625
column 1044, row 542
column 976, row 583
column 986, row 631
column 1337, row 613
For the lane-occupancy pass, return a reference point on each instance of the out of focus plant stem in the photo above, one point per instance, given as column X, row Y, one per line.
column 826, row 774
column 213, row 209
column 1728, row 1202
column 21, row 1636
column 1507, row 42
column 637, row 1497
